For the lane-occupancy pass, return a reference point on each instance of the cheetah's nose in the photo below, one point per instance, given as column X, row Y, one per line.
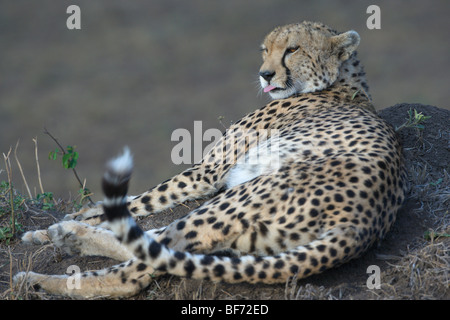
column 267, row 75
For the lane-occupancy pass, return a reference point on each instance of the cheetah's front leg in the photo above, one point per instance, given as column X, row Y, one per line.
column 200, row 181
column 81, row 239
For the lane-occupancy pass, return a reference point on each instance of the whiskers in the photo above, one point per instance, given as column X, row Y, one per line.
column 298, row 86
column 259, row 89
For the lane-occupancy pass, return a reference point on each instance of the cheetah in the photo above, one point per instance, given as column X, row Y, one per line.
column 328, row 190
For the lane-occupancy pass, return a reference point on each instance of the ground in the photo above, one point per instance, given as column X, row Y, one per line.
column 414, row 258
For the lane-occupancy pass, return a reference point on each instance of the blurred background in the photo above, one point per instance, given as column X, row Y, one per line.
column 138, row 70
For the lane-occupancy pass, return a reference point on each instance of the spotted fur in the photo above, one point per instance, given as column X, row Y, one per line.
column 332, row 190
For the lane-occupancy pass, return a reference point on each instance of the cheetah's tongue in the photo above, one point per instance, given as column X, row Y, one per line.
column 269, row 88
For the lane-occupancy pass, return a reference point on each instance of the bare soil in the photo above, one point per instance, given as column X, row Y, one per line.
column 413, row 266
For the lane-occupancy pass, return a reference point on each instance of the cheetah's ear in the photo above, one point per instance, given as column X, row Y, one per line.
column 345, row 44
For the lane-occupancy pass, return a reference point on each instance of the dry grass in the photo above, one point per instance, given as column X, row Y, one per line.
column 424, row 272
column 24, row 262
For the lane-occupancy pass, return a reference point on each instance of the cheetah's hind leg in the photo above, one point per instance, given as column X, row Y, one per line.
column 123, row 280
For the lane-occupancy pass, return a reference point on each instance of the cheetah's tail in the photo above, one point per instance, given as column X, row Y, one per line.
column 115, row 187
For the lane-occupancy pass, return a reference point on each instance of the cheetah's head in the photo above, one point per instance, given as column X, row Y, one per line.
column 304, row 57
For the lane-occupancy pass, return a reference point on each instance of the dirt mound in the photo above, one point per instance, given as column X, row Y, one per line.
column 414, row 259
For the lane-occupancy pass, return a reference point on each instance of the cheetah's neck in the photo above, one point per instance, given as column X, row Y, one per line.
column 351, row 74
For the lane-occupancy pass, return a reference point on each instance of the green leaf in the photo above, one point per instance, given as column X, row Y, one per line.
column 73, row 160
column 438, row 182
column 70, row 158
column 65, row 160
column 53, row 154
column 431, row 235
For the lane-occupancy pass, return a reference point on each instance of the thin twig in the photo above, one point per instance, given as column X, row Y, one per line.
column 54, row 139
column 21, row 171
column 37, row 164
column 73, row 169
column 10, row 273
column 182, row 204
column 11, row 196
